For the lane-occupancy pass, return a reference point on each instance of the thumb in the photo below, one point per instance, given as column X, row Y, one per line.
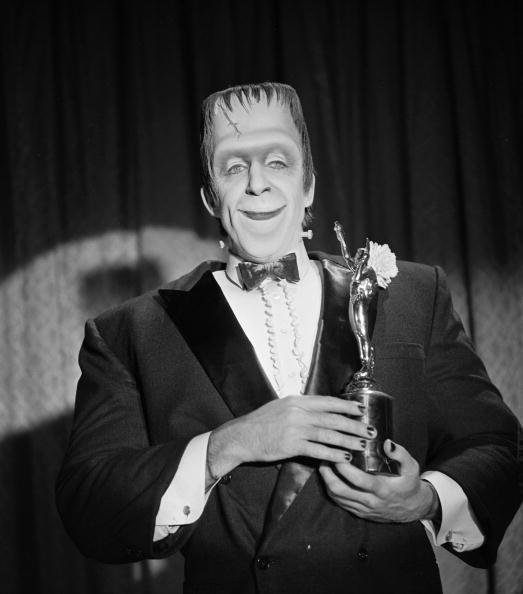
column 398, row 453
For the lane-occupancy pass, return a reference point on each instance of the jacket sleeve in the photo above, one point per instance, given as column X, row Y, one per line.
column 112, row 479
column 473, row 435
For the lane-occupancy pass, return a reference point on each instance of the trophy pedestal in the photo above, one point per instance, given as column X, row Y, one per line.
column 378, row 414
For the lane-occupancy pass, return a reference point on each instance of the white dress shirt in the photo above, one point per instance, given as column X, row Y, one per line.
column 294, row 312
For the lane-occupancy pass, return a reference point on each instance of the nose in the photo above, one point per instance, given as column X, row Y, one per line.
column 257, row 182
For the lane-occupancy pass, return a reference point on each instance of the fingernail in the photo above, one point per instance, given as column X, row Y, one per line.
column 348, row 456
column 392, row 445
column 363, row 443
column 362, row 409
column 371, row 431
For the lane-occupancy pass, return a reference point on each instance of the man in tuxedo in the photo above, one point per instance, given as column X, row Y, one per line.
column 207, row 419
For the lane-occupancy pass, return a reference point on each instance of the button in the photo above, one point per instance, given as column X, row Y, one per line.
column 448, row 536
column 226, row 479
column 186, row 510
column 363, row 555
column 132, row 553
column 263, row 563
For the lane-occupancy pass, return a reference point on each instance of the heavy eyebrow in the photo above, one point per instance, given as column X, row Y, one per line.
column 264, row 149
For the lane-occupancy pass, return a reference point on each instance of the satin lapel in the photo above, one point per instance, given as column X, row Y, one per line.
column 334, row 361
column 211, row 330
column 336, row 352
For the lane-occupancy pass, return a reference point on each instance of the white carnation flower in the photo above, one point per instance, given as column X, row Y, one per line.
column 383, row 261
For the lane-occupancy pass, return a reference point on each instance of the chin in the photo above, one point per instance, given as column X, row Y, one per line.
column 264, row 247
column 262, row 252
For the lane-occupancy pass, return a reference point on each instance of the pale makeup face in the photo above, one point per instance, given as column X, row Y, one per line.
column 258, row 171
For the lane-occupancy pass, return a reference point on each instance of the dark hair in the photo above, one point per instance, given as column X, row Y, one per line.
column 246, row 95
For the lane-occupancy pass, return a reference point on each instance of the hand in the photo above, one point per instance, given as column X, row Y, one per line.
column 313, row 426
column 403, row 498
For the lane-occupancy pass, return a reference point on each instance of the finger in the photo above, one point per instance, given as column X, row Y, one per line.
column 324, row 453
column 363, row 481
column 342, row 423
column 327, row 473
column 342, row 491
column 331, row 404
column 335, row 438
column 395, row 451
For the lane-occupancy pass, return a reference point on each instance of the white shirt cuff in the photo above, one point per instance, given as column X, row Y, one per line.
column 185, row 498
column 459, row 526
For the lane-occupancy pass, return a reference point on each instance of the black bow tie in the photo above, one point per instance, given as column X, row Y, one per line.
column 252, row 274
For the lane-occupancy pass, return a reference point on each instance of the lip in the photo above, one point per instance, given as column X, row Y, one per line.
column 262, row 215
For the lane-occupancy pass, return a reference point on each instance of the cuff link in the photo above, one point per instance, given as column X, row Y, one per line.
column 457, row 542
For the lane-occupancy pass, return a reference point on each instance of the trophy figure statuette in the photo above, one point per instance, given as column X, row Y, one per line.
column 373, row 266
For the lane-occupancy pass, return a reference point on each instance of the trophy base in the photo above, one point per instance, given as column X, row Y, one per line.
column 378, row 414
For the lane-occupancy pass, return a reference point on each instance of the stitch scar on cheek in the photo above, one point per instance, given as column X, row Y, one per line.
column 230, row 122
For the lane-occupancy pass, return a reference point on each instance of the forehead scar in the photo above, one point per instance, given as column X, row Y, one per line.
column 231, row 123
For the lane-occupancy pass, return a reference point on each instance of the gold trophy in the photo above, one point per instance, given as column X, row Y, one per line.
column 372, row 267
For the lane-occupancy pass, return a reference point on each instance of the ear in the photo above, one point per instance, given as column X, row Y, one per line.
column 213, row 211
column 309, row 196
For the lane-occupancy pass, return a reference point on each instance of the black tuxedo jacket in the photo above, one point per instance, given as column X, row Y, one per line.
column 174, row 363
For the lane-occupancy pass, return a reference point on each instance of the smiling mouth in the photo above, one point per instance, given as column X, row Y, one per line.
column 262, row 216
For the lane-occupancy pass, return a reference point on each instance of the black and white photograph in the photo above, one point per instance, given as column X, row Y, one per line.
column 261, row 297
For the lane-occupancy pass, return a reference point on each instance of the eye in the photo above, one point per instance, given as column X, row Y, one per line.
column 277, row 164
column 236, row 168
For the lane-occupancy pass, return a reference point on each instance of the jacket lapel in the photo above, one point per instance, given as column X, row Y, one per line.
column 336, row 353
column 211, row 330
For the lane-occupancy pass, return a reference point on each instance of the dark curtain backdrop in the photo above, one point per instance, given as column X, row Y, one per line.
column 415, row 116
